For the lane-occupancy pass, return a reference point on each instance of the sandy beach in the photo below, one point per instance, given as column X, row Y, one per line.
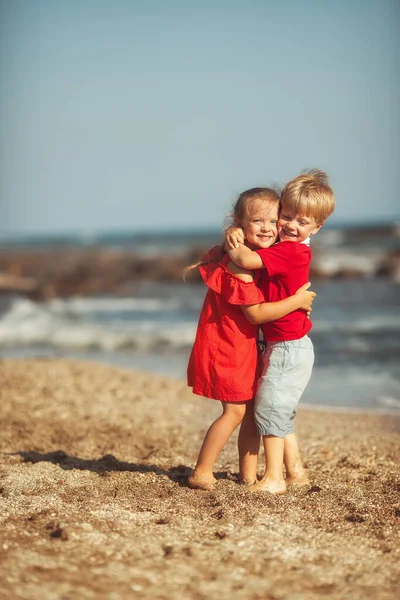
column 94, row 502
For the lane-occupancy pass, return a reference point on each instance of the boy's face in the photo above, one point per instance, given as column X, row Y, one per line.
column 293, row 227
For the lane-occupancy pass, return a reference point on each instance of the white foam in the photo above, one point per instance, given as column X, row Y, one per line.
column 350, row 385
column 28, row 323
column 348, row 324
column 84, row 306
column 365, row 263
column 389, row 402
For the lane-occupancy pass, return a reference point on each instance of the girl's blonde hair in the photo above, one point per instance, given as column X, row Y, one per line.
column 244, row 207
column 248, row 202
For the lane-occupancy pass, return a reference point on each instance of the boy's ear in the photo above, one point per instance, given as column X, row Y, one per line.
column 318, row 227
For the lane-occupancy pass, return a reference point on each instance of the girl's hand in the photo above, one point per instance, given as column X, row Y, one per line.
column 305, row 297
column 234, row 236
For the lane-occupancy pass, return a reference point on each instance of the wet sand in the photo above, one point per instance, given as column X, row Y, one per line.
column 94, row 501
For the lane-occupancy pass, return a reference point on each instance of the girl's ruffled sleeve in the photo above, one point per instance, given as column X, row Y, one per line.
column 217, row 277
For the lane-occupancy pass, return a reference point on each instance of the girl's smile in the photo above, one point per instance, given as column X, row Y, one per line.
column 260, row 229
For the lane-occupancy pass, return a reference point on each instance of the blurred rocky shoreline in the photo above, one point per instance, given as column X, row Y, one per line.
column 65, row 271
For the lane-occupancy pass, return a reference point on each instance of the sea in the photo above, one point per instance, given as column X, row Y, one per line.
column 356, row 318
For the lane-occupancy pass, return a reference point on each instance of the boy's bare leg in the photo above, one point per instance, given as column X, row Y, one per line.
column 272, row 480
column 295, row 471
column 248, row 446
column 215, row 439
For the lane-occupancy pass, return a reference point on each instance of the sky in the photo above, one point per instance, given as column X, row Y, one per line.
column 156, row 114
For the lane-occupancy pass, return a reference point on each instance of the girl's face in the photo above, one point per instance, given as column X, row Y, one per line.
column 260, row 228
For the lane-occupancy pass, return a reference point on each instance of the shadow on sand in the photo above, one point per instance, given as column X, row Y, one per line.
column 107, row 463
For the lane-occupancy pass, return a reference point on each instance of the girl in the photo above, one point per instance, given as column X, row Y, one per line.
column 223, row 361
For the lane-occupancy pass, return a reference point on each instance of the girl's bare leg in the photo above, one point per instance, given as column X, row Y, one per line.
column 295, row 471
column 215, row 439
column 248, row 446
column 272, row 480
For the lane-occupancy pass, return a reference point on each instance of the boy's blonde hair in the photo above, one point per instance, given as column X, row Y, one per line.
column 310, row 194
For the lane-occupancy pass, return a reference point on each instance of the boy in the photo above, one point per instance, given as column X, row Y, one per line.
column 306, row 203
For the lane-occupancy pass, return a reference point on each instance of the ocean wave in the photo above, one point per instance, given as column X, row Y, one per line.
column 375, row 323
column 155, row 324
column 87, row 306
column 354, row 385
column 365, row 263
column 54, row 323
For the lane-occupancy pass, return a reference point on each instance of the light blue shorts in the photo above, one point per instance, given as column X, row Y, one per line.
column 286, row 371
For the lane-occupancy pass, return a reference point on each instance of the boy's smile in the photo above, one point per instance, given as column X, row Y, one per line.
column 293, row 227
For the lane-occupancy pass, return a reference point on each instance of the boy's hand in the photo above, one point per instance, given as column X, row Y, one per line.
column 234, row 236
column 306, row 297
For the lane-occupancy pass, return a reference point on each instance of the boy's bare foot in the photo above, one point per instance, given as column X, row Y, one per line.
column 197, row 481
column 298, row 480
column 269, row 485
column 247, row 482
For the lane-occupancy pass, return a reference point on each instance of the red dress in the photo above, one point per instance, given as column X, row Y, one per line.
column 223, row 363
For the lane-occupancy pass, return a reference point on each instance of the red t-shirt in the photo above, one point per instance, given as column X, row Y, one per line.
column 287, row 266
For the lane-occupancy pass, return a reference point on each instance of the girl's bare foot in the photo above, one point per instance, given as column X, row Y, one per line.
column 271, row 486
column 199, row 481
column 298, row 480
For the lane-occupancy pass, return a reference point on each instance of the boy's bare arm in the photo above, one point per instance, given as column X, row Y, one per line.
column 234, row 240
column 270, row 311
column 234, row 236
column 245, row 258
